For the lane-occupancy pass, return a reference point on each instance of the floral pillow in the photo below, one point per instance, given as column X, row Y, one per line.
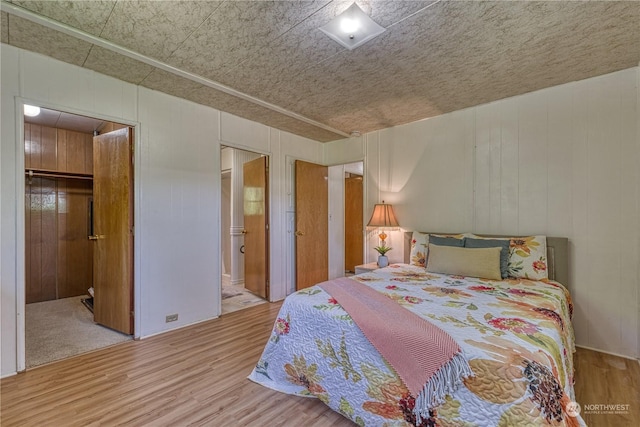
column 527, row 256
column 419, row 249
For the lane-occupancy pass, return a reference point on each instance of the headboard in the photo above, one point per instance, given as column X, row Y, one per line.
column 557, row 255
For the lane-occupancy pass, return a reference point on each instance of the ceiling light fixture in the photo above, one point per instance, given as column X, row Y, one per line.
column 31, row 111
column 352, row 28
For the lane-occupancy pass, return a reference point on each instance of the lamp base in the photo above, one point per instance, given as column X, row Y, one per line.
column 383, row 237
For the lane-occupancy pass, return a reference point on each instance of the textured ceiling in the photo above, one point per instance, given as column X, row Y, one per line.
column 268, row 61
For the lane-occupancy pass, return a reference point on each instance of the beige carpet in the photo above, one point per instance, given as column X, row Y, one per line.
column 236, row 298
column 63, row 328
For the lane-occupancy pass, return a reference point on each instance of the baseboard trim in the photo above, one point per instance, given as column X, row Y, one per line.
column 609, row 352
column 144, row 337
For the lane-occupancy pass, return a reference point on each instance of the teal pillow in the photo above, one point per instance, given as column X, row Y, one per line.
column 493, row 243
column 446, row 241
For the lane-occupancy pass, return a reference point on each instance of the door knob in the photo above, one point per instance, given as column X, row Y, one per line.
column 299, row 233
column 244, row 231
column 97, row 237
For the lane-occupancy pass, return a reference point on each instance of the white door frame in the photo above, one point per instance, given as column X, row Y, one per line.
column 269, row 155
column 20, row 243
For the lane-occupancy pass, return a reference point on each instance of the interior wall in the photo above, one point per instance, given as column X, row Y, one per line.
column 47, row 82
column 225, row 236
column 336, row 221
column 177, row 189
column 563, row 161
column 226, row 163
column 179, row 228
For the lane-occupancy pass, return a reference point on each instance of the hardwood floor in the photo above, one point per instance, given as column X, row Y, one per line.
column 197, row 376
column 602, row 379
column 193, row 376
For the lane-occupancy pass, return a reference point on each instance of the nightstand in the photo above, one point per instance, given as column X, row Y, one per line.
column 365, row 268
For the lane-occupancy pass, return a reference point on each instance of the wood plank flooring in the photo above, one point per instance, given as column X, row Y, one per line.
column 603, row 379
column 197, row 376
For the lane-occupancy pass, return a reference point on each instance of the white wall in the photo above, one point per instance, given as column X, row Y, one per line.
column 179, row 212
column 638, row 198
column 563, row 161
column 336, row 221
column 177, row 242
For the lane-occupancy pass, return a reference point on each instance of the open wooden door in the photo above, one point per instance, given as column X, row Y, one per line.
column 312, row 224
column 353, row 223
column 256, row 226
column 113, row 230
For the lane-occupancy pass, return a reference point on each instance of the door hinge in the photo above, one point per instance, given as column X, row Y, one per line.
column 133, row 231
column 267, row 226
column 133, row 314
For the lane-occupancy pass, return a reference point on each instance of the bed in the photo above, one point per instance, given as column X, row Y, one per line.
column 515, row 335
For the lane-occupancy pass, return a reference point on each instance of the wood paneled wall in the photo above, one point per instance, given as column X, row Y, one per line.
column 41, row 239
column 40, row 147
column 62, row 150
column 59, row 257
column 74, row 152
column 75, row 250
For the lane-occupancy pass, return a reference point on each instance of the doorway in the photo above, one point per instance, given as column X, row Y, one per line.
column 353, row 216
column 328, row 228
column 244, row 229
column 63, row 267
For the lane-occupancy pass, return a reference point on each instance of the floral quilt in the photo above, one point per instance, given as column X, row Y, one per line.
column 516, row 334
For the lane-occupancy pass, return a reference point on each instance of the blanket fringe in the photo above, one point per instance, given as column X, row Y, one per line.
column 445, row 381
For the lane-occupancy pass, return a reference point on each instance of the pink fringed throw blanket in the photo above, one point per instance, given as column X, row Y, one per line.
column 425, row 357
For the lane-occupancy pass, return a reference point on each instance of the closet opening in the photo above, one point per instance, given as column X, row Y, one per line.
column 346, row 218
column 353, row 216
column 244, row 229
column 78, row 235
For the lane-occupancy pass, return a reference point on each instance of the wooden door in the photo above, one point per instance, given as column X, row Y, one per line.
column 312, row 224
column 353, row 223
column 256, row 226
column 113, row 228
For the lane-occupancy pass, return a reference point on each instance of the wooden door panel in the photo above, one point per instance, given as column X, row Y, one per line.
column 312, row 224
column 354, row 223
column 75, row 251
column 256, row 242
column 113, row 223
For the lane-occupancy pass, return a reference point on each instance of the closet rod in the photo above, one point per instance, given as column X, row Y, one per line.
column 32, row 174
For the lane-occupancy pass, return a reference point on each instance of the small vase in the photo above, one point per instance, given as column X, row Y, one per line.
column 383, row 261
